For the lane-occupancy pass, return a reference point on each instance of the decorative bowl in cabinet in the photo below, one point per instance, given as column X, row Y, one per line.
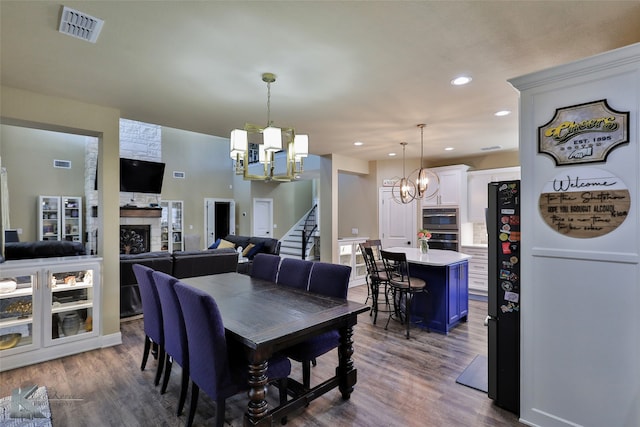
column 9, row 340
column 7, row 286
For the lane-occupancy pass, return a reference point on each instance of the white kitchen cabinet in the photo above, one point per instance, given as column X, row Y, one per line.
column 477, row 189
column 453, row 186
column 55, row 308
column 478, row 269
column 350, row 255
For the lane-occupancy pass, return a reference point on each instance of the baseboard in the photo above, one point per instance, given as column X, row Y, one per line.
column 111, row 340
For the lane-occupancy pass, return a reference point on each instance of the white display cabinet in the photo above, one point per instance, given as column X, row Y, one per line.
column 49, row 308
column 71, row 220
column 60, row 218
column 172, row 227
column 351, row 255
column 49, row 218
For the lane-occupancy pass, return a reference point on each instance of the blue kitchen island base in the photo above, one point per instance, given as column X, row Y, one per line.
column 447, row 302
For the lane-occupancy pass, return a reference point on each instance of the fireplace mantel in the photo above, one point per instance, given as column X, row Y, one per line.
column 137, row 212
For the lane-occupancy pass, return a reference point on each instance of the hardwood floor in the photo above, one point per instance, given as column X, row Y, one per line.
column 400, row 382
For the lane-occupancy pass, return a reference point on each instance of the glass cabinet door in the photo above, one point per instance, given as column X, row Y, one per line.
column 17, row 318
column 72, row 219
column 172, row 238
column 71, row 303
column 49, row 219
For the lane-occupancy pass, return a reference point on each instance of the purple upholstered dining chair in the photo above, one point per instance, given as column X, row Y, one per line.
column 175, row 334
column 330, row 280
column 294, row 273
column 213, row 366
column 265, row 266
column 153, row 326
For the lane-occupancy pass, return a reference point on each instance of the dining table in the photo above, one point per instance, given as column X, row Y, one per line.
column 266, row 318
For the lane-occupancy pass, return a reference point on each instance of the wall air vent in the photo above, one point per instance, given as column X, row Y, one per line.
column 62, row 164
column 178, row 174
column 79, row 25
column 492, row 148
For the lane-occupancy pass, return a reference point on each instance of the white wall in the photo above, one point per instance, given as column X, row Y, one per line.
column 580, row 324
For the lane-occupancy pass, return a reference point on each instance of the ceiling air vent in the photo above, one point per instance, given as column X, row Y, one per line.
column 62, row 164
column 80, row 25
column 492, row 148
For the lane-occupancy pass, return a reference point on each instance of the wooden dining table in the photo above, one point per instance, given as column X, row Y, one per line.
column 266, row 318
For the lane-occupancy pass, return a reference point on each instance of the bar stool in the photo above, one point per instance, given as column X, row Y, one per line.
column 403, row 286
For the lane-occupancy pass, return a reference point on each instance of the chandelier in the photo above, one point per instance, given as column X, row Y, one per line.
column 423, row 186
column 279, row 150
column 404, row 191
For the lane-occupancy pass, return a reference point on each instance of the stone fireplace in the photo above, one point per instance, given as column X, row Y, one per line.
column 140, row 226
column 135, row 239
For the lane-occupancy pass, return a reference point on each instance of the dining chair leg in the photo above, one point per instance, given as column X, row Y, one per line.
column 220, row 403
column 282, row 391
column 183, row 390
column 161, row 356
column 145, row 352
column 407, row 308
column 306, row 374
column 167, row 373
column 195, row 390
column 375, row 288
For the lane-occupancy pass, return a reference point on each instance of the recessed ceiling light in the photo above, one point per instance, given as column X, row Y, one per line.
column 449, row 149
column 462, row 80
column 358, row 143
column 392, row 154
column 502, row 113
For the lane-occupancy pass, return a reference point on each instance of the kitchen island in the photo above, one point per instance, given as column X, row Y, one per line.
column 447, row 302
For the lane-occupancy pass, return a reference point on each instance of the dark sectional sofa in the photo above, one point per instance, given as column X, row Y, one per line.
column 42, row 249
column 180, row 264
column 268, row 245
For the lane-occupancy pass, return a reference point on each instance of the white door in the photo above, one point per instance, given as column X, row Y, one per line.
column 219, row 219
column 263, row 217
column 398, row 221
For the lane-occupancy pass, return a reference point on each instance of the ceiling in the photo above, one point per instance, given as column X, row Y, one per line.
column 346, row 70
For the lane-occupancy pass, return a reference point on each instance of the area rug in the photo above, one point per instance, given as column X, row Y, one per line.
column 26, row 407
column 476, row 374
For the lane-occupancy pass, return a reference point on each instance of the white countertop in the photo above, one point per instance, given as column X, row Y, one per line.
column 475, row 245
column 435, row 257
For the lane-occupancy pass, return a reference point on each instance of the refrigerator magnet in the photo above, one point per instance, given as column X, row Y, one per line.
column 511, row 296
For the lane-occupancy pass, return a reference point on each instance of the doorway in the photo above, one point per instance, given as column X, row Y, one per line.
column 398, row 221
column 263, row 217
column 219, row 219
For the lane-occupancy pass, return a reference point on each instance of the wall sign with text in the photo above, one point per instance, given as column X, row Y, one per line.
column 584, row 202
column 584, row 133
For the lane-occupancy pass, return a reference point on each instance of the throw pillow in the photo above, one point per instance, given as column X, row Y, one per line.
column 226, row 244
column 247, row 249
column 215, row 244
column 255, row 250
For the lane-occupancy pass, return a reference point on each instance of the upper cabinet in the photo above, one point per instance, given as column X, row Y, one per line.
column 477, row 189
column 452, row 190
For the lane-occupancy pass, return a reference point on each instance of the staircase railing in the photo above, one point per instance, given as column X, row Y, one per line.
column 310, row 226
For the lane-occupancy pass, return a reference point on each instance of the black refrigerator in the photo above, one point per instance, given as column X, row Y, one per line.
column 503, row 320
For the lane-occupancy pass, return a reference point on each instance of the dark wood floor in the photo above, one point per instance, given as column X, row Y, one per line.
column 400, row 382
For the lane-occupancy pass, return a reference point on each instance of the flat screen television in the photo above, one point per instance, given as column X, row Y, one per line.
column 141, row 176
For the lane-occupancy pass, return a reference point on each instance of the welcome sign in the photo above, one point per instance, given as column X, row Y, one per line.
column 583, row 133
column 584, row 202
